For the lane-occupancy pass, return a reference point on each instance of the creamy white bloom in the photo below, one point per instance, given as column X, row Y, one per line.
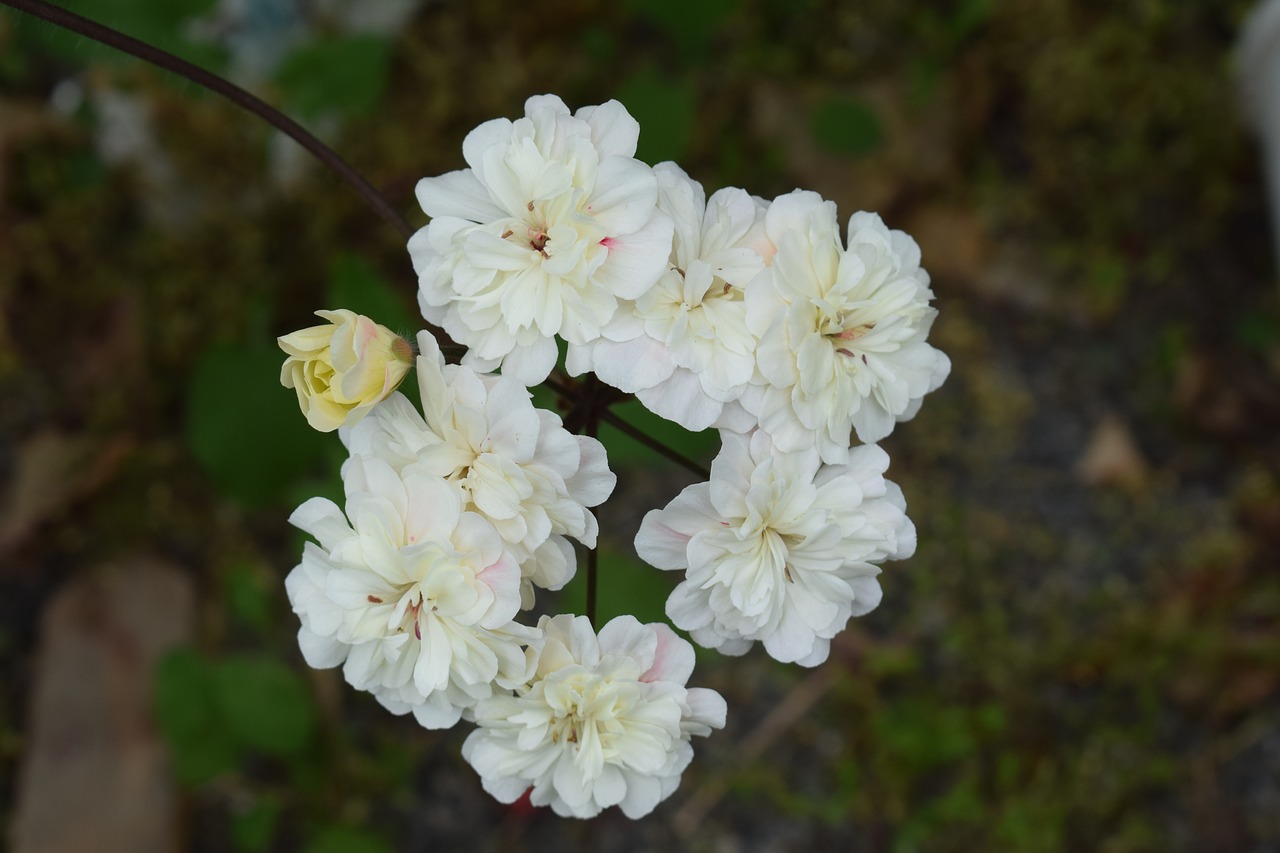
column 842, row 330
column 552, row 224
column 603, row 721
column 683, row 347
column 413, row 595
column 778, row 548
column 514, row 464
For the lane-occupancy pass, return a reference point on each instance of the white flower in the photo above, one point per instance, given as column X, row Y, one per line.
column 515, row 465
column 778, row 547
column 683, row 347
column 413, row 595
column 553, row 222
column 842, row 331
column 603, row 721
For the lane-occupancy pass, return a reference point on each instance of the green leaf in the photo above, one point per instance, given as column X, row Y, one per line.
column 341, row 839
column 245, row 429
column 199, row 742
column 665, row 109
column 354, row 284
column 266, row 704
column 344, row 75
column 846, row 126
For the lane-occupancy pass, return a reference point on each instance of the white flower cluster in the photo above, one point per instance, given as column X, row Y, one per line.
column 729, row 311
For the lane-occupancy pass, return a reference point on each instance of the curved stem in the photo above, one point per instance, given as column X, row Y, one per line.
column 653, row 444
column 606, row 416
column 154, row 55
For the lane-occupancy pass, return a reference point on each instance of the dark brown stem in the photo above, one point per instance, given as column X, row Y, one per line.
column 148, row 53
column 574, row 396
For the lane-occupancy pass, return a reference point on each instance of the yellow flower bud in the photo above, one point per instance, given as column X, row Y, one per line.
column 344, row 369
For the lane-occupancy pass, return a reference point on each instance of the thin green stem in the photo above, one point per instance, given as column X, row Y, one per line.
column 149, row 53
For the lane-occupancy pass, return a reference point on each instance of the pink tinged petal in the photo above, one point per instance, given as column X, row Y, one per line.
column 682, row 399
column 613, row 130
column 514, row 425
column 593, row 482
column 610, row 786
column 706, row 708
column 625, row 197
column 792, row 640
column 673, row 660
column 663, row 538
column 557, row 451
column 487, row 251
column 321, row 518
column 624, row 635
column 503, row 578
column 437, row 713
column 643, row 795
column 634, row 365
column 572, row 787
column 688, row 608
column 578, row 360
column 434, row 656
column 496, row 131
column 637, row 260
column 433, row 505
column 867, row 595
column 552, row 105
column 734, row 417
column 821, row 651
column 457, row 194
column 531, row 364
column 321, row 652
column 872, row 423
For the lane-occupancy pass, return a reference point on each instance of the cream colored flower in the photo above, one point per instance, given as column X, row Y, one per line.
column 604, row 720
column 342, row 370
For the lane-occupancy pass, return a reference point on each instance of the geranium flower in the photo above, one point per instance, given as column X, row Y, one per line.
column 411, row 594
column 683, row 347
column 552, row 224
column 778, row 548
column 515, row 465
column 342, row 370
column 603, row 721
column 842, row 330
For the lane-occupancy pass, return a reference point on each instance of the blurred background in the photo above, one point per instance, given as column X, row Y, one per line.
column 1083, row 654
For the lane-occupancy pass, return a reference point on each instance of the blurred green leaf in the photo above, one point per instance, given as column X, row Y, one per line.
column 341, row 839
column 184, row 691
column 266, row 704
column 344, row 75
column 846, row 126
column 248, row 597
column 599, row 44
column 253, row 830
column 624, row 584
column 665, row 109
column 355, row 285
column 692, row 26
column 245, row 429
column 1258, row 330
column 162, row 23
